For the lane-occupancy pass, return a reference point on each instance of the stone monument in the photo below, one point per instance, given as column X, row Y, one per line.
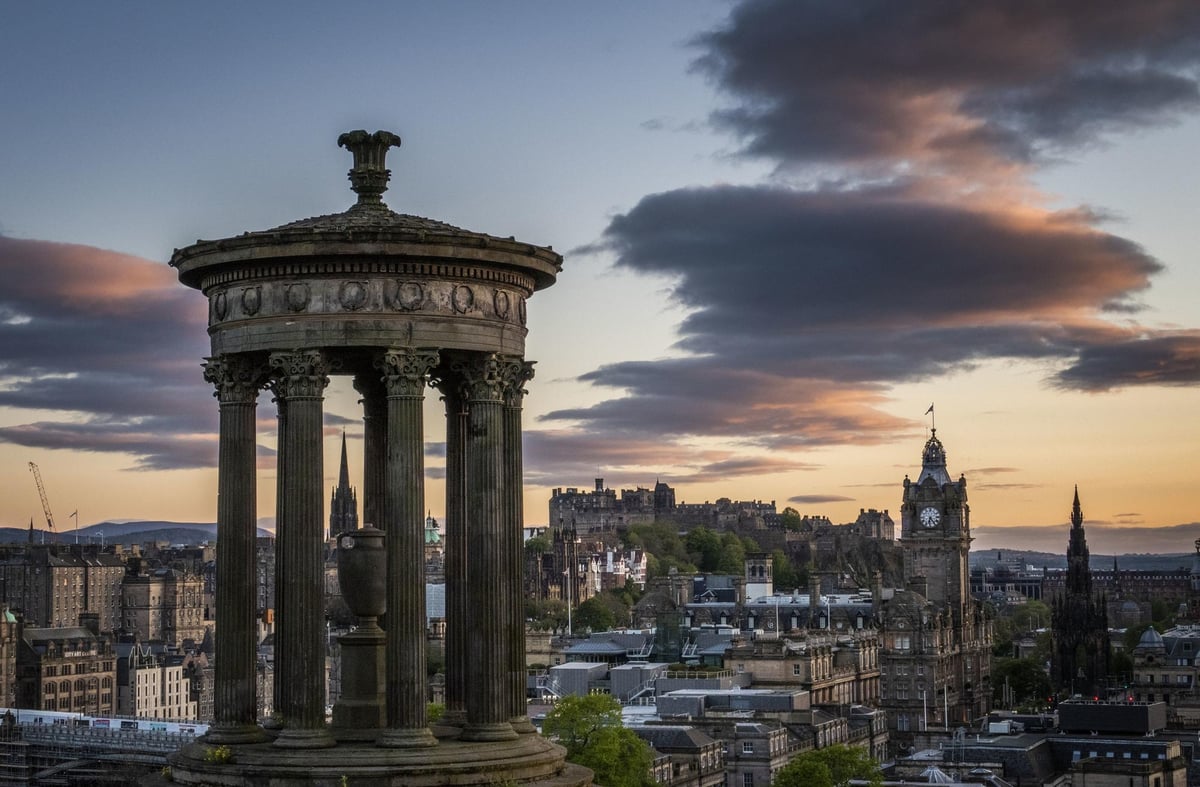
column 398, row 302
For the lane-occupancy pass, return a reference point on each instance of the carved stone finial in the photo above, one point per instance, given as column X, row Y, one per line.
column 369, row 177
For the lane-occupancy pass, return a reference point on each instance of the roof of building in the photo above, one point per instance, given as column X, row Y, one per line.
column 673, row 737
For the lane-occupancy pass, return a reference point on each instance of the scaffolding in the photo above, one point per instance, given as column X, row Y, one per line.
column 64, row 755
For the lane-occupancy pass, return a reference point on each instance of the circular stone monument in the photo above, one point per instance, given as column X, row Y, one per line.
column 397, row 302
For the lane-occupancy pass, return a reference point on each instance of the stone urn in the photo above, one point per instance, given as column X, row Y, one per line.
column 362, row 572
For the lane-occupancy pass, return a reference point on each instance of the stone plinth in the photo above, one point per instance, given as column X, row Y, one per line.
column 530, row 760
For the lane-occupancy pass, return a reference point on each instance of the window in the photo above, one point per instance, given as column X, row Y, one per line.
column 796, row 669
column 747, row 780
column 747, row 747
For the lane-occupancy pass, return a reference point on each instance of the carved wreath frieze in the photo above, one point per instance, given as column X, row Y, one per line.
column 463, row 298
column 251, row 300
column 367, row 296
column 297, row 296
column 353, row 295
column 405, row 295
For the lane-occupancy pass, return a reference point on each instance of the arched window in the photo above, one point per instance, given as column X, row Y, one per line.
column 65, row 687
column 80, row 684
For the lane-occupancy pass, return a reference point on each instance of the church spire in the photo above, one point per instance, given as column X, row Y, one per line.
column 1076, row 511
column 343, row 504
column 344, row 474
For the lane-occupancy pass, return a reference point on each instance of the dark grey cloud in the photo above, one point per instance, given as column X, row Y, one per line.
column 817, row 499
column 1167, row 358
column 810, row 81
column 920, row 254
column 115, row 344
column 555, row 457
column 804, row 307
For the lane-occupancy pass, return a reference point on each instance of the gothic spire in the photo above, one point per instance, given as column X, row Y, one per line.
column 344, row 474
column 1076, row 511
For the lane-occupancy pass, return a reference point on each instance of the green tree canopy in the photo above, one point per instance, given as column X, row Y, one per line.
column 1025, row 679
column 791, row 518
column 832, row 766
column 590, row 729
column 594, row 614
column 784, row 572
column 704, row 548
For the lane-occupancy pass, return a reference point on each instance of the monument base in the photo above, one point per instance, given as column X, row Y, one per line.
column 530, row 760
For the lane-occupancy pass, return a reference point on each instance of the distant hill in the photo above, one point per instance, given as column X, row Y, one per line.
column 1101, row 539
column 138, row 532
column 1129, row 562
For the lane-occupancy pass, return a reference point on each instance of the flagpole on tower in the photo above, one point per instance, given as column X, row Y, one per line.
column 933, row 418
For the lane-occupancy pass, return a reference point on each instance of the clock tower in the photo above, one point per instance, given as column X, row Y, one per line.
column 936, row 531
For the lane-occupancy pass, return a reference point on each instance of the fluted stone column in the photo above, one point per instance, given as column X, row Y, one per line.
column 403, row 373
column 300, row 378
column 458, row 633
column 517, row 373
column 489, row 654
column 374, row 402
column 237, row 380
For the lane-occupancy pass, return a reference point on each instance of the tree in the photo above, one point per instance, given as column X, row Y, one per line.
column 785, row 574
column 704, row 548
column 791, row 518
column 1025, row 678
column 732, row 559
column 595, row 615
column 590, row 729
column 832, row 766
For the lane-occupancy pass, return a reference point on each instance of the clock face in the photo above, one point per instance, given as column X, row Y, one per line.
column 930, row 517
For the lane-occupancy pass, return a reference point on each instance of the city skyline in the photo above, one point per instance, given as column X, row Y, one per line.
column 788, row 229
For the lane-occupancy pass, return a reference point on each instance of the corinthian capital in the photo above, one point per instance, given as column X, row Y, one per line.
column 516, row 371
column 482, row 377
column 236, row 377
column 404, row 370
column 300, row 373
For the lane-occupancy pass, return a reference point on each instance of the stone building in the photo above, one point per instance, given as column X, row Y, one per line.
column 1079, row 619
column 835, row 668
column 9, row 644
column 163, row 605
column 52, row 584
column 935, row 640
column 601, row 510
column 1166, row 668
column 67, row 668
column 693, row 759
column 154, row 683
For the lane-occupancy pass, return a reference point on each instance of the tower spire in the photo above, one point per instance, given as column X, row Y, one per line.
column 344, row 474
column 343, row 503
column 1076, row 511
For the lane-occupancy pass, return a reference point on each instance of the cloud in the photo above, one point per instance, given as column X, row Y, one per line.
column 112, row 342
column 943, row 83
column 550, row 456
column 903, row 239
column 815, row 499
column 805, row 306
column 1167, row 358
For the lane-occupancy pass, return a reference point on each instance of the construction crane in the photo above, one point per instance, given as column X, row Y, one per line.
column 37, row 477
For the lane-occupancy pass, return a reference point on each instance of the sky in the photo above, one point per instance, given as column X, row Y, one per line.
column 789, row 227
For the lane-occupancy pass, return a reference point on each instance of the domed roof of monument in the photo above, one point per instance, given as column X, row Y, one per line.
column 369, row 221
